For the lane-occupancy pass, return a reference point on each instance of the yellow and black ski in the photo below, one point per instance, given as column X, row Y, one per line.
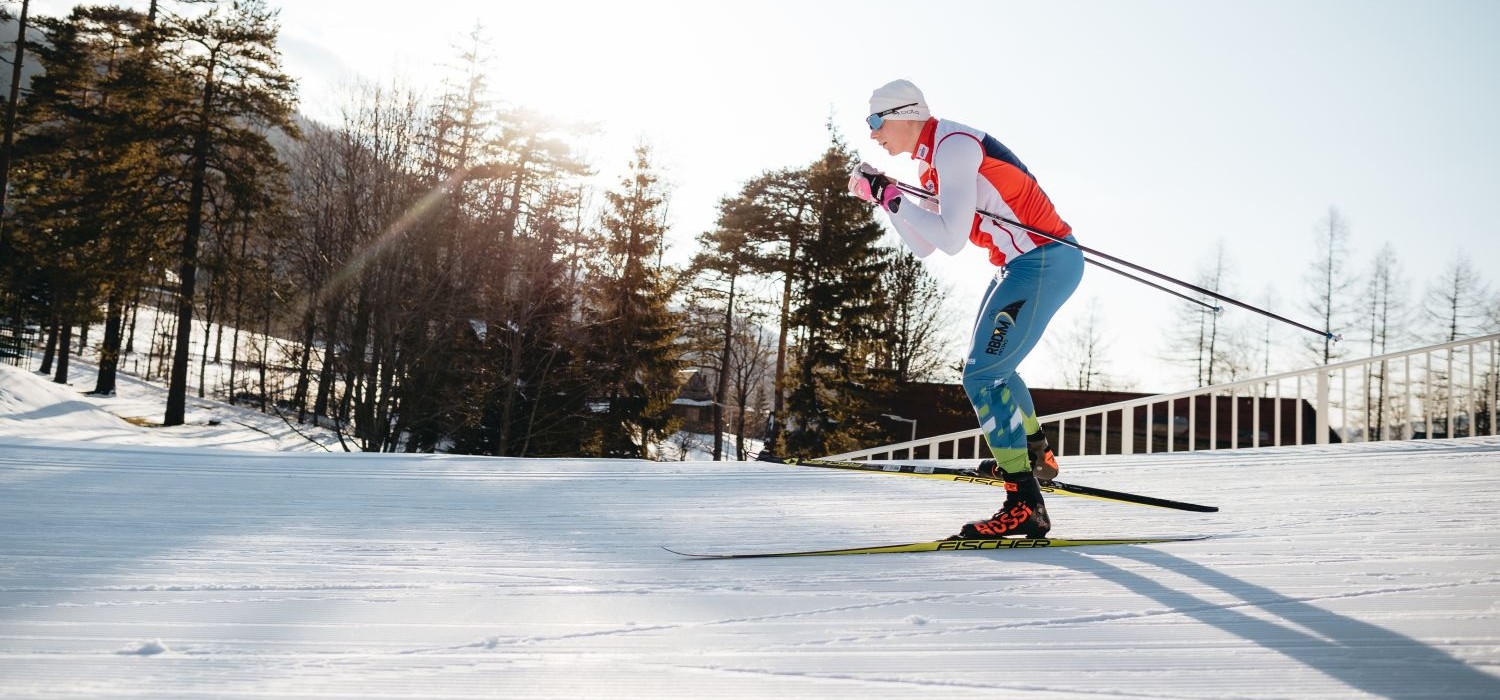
column 974, row 545
column 970, row 476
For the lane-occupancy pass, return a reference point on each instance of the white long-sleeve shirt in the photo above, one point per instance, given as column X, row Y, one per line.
column 971, row 170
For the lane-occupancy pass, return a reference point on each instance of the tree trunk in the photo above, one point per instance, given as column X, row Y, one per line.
column 739, row 433
column 210, row 311
column 722, row 394
column 325, row 373
column 265, row 355
column 778, row 406
column 10, row 122
column 239, row 318
column 354, row 360
column 219, row 345
column 135, row 313
column 65, row 344
column 299, row 397
column 508, row 399
column 109, row 351
column 51, row 349
column 188, row 271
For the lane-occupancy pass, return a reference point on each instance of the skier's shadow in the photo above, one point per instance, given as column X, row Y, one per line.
column 1368, row 657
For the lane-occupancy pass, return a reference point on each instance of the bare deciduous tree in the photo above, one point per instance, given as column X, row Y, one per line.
column 1198, row 337
column 1329, row 283
column 1081, row 349
column 1456, row 301
column 1387, row 323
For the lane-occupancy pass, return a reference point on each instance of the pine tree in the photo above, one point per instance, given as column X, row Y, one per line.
column 7, row 141
column 88, row 174
column 532, row 209
column 717, row 270
column 238, row 92
column 537, row 348
column 837, row 314
column 912, row 338
column 776, row 212
column 634, row 354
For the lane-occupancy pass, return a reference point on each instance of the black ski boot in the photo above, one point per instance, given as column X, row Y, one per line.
column 987, row 469
column 1043, row 462
column 1024, row 514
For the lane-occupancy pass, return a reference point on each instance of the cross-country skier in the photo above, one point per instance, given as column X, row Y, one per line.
column 968, row 170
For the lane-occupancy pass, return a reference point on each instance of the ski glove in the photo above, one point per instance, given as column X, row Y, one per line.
column 871, row 185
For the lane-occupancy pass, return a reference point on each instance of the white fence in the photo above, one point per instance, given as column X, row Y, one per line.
column 1446, row 390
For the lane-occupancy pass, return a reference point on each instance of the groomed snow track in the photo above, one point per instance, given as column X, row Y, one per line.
column 1367, row 570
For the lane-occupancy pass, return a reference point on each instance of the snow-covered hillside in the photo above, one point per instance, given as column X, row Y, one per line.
column 131, row 570
column 31, row 405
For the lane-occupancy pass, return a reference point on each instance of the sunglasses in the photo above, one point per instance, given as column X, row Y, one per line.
column 877, row 119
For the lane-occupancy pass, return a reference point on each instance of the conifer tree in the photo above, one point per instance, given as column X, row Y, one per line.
column 89, row 172
column 634, row 356
column 912, row 345
column 837, row 314
column 228, row 57
column 776, row 213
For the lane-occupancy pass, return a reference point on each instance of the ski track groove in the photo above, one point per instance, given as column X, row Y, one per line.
column 494, row 642
column 1002, row 690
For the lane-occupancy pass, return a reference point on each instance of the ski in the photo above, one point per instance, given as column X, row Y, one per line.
column 973, row 545
column 972, row 477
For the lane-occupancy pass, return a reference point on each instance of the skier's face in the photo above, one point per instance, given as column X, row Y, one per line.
column 897, row 136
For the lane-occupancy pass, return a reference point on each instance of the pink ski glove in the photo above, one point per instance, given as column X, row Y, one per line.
column 871, row 185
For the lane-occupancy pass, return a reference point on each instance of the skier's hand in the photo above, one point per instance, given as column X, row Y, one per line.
column 863, row 183
column 870, row 184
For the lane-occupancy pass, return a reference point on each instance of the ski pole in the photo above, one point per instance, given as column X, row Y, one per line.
column 924, row 194
column 1211, row 307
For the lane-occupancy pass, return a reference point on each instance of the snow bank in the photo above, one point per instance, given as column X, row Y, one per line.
column 31, row 405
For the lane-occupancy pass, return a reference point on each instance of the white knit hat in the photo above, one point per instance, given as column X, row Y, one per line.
column 897, row 93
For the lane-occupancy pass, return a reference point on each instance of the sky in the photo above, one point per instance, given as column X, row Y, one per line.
column 1160, row 128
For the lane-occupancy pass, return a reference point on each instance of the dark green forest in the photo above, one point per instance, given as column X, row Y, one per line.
column 426, row 273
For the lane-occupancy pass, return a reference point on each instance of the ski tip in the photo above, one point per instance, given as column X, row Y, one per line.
column 695, row 555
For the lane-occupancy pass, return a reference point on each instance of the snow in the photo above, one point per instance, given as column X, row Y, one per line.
column 150, row 648
column 33, row 406
column 200, row 562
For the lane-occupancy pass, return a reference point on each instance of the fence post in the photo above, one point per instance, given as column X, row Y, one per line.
column 1322, row 419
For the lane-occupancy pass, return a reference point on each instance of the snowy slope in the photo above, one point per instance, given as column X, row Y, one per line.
column 163, row 571
column 33, row 406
